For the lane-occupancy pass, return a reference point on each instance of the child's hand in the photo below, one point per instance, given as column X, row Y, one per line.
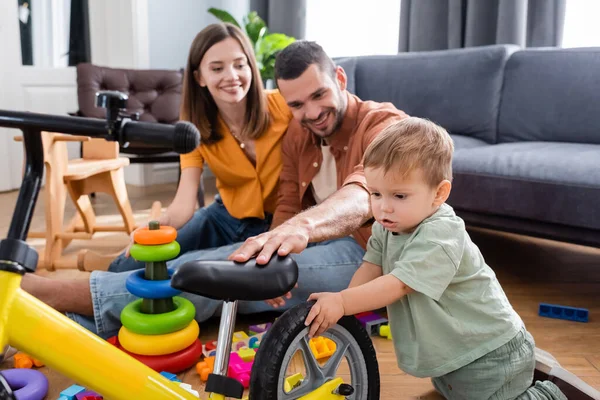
column 280, row 301
column 326, row 312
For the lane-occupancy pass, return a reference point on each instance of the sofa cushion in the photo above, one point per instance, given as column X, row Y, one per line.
column 544, row 181
column 467, row 142
column 551, row 95
column 458, row 89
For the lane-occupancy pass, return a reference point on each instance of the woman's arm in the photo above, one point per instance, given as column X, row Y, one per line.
column 184, row 204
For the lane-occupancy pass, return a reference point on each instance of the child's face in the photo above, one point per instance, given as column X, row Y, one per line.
column 401, row 203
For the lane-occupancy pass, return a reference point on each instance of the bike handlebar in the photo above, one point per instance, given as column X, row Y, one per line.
column 15, row 254
column 183, row 137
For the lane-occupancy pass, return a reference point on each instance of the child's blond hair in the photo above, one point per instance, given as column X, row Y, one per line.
column 410, row 144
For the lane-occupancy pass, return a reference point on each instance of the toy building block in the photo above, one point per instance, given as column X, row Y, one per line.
column 322, row 347
column 384, row 331
column 292, row 382
column 209, row 349
column 204, row 368
column 260, row 328
column 240, row 339
column 22, row 360
column 239, row 369
column 563, row 312
column 246, row 353
column 188, row 387
column 70, row 392
column 254, row 340
column 88, row 395
column 371, row 321
column 170, row 376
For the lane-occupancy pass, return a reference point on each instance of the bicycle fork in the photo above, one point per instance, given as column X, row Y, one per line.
column 219, row 385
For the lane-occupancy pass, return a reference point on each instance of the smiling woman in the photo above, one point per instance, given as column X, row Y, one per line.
column 241, row 127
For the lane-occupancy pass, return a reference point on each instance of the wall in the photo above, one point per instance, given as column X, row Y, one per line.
column 173, row 25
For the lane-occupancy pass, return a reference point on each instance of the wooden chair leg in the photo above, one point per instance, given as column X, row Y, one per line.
column 55, row 199
column 118, row 191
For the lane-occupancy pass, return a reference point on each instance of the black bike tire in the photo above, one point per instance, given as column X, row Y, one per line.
column 274, row 345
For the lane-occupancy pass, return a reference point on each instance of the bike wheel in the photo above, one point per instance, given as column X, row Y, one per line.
column 276, row 359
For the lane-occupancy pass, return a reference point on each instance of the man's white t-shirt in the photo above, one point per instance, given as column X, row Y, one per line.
column 324, row 184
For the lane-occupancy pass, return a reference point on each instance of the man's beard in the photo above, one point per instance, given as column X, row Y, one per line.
column 338, row 117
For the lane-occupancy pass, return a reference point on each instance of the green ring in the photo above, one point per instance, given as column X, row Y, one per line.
column 155, row 253
column 158, row 324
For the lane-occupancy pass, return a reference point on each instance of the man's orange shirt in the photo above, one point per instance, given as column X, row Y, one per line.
column 246, row 190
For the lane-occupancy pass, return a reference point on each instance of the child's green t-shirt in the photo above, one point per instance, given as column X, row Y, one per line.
column 458, row 311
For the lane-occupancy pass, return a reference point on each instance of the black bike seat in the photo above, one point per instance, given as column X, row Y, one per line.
column 231, row 280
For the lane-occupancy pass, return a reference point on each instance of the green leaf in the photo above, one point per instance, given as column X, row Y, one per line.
column 266, row 51
column 254, row 25
column 223, row 16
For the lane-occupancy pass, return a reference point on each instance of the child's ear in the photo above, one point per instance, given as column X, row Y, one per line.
column 442, row 193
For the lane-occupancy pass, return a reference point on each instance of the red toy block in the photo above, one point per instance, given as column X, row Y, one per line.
column 88, row 395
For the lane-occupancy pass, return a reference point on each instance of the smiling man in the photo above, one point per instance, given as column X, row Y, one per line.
column 323, row 204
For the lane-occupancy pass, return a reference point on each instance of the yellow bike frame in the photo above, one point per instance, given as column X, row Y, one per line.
column 63, row 345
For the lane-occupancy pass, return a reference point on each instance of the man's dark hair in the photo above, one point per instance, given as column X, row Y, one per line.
column 292, row 61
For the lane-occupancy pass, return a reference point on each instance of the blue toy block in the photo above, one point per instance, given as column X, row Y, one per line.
column 170, row 376
column 70, row 392
column 563, row 312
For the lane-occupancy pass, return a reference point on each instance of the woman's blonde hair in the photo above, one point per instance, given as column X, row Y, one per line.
column 197, row 104
column 410, row 144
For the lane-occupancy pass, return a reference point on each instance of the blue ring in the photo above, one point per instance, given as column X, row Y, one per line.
column 139, row 286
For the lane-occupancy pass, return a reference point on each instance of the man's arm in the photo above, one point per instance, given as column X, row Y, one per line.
column 339, row 215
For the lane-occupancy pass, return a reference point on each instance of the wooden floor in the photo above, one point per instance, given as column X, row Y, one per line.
column 531, row 271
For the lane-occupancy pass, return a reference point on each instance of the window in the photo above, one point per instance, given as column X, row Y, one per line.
column 354, row 27
column 581, row 24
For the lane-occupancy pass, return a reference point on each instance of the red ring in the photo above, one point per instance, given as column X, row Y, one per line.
column 173, row 363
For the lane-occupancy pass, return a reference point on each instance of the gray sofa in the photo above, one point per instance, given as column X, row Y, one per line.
column 526, row 127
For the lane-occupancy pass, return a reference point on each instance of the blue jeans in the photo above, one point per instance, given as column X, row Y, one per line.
column 323, row 267
column 209, row 227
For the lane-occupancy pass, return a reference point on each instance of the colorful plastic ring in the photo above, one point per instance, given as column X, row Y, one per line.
column 139, row 286
column 158, row 324
column 156, row 345
column 173, row 363
column 30, row 384
column 159, row 252
column 146, row 236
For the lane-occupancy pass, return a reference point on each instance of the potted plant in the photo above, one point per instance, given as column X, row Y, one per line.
column 266, row 45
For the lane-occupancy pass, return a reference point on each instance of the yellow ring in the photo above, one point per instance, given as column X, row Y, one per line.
column 157, row 345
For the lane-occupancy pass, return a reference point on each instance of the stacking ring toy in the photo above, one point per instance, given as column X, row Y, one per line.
column 163, row 235
column 139, row 286
column 158, row 324
column 159, row 252
column 174, row 362
column 157, row 345
column 27, row 384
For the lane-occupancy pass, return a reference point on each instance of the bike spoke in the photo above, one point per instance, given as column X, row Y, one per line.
column 334, row 361
column 312, row 365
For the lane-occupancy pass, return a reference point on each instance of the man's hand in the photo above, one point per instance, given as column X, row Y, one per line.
column 326, row 312
column 284, row 239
